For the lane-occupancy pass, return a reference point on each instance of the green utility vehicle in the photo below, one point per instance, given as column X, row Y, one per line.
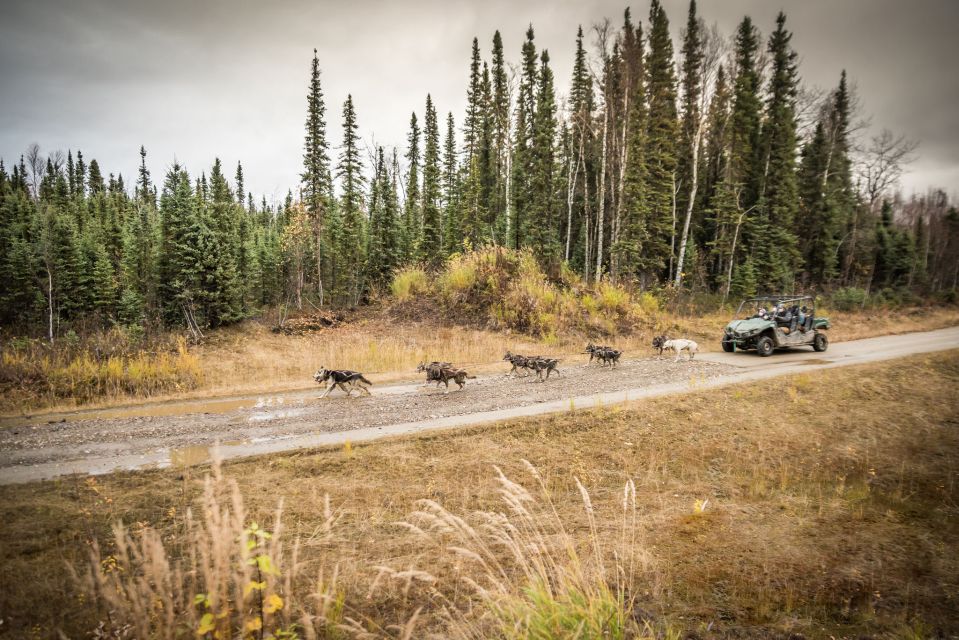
column 768, row 323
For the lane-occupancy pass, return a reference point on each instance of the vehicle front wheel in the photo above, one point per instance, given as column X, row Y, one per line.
column 820, row 342
column 764, row 346
column 728, row 346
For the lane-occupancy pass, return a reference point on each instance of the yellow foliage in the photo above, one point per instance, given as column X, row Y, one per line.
column 273, row 603
column 459, row 276
column 409, row 282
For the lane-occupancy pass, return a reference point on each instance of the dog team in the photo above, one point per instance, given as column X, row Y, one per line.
column 444, row 372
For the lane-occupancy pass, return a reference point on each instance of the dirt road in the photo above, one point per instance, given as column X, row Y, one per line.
column 161, row 435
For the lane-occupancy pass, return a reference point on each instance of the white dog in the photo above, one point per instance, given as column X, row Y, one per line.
column 681, row 345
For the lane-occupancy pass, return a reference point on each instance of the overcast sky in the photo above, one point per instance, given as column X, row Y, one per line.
column 192, row 80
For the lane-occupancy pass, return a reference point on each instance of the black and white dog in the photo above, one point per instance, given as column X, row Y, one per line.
column 539, row 365
column 344, row 379
column 518, row 361
column 444, row 372
column 605, row 354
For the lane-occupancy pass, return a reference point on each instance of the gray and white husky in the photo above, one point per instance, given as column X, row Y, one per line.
column 345, row 379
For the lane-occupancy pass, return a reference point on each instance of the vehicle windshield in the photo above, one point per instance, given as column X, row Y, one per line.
column 767, row 307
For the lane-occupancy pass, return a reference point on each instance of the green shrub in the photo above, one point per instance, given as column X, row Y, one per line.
column 848, row 299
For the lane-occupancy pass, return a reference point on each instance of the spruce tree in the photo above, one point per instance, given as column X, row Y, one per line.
column 375, row 250
column 715, row 154
column 224, row 295
column 582, row 104
column 522, row 168
column 813, row 223
column 411, row 223
column 745, row 117
column 315, row 179
column 736, row 153
column 95, row 179
column 71, row 174
column 452, row 235
column 351, row 254
column 774, row 242
column 391, row 214
column 477, row 217
column 837, row 185
column 80, row 177
column 543, row 228
column 498, row 112
column 661, row 135
column 144, row 188
column 688, row 178
column 474, row 112
column 238, row 181
column 632, row 256
column 179, row 254
column 62, row 266
column 104, row 288
column 431, row 243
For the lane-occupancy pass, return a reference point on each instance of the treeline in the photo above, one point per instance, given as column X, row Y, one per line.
column 79, row 248
column 707, row 169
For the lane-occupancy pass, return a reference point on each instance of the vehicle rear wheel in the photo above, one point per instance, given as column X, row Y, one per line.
column 764, row 346
column 820, row 342
column 728, row 346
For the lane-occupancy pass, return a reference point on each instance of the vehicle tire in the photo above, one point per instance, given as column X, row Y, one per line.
column 728, row 346
column 764, row 346
column 820, row 342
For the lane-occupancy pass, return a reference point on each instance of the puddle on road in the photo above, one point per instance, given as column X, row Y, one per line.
column 225, row 405
column 264, row 416
column 815, row 361
column 189, row 456
column 193, row 455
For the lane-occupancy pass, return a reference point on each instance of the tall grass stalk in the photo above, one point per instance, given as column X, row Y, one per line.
column 219, row 576
column 529, row 577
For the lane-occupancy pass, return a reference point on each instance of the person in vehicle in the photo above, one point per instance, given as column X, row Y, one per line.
column 782, row 315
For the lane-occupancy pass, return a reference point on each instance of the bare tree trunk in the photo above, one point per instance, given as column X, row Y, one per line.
column 693, row 187
column 732, row 256
column 672, row 236
column 955, row 276
column 618, row 218
column 587, row 259
column 570, row 188
column 50, row 303
column 851, row 257
column 299, row 288
column 602, row 201
column 319, row 262
column 732, row 250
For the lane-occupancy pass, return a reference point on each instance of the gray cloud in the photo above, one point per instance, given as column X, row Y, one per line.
column 194, row 80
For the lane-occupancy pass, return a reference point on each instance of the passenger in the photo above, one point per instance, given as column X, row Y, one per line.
column 780, row 315
column 793, row 318
column 801, row 317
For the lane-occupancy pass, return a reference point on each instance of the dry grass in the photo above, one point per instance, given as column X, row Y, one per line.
column 823, row 504
column 34, row 375
column 249, row 358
